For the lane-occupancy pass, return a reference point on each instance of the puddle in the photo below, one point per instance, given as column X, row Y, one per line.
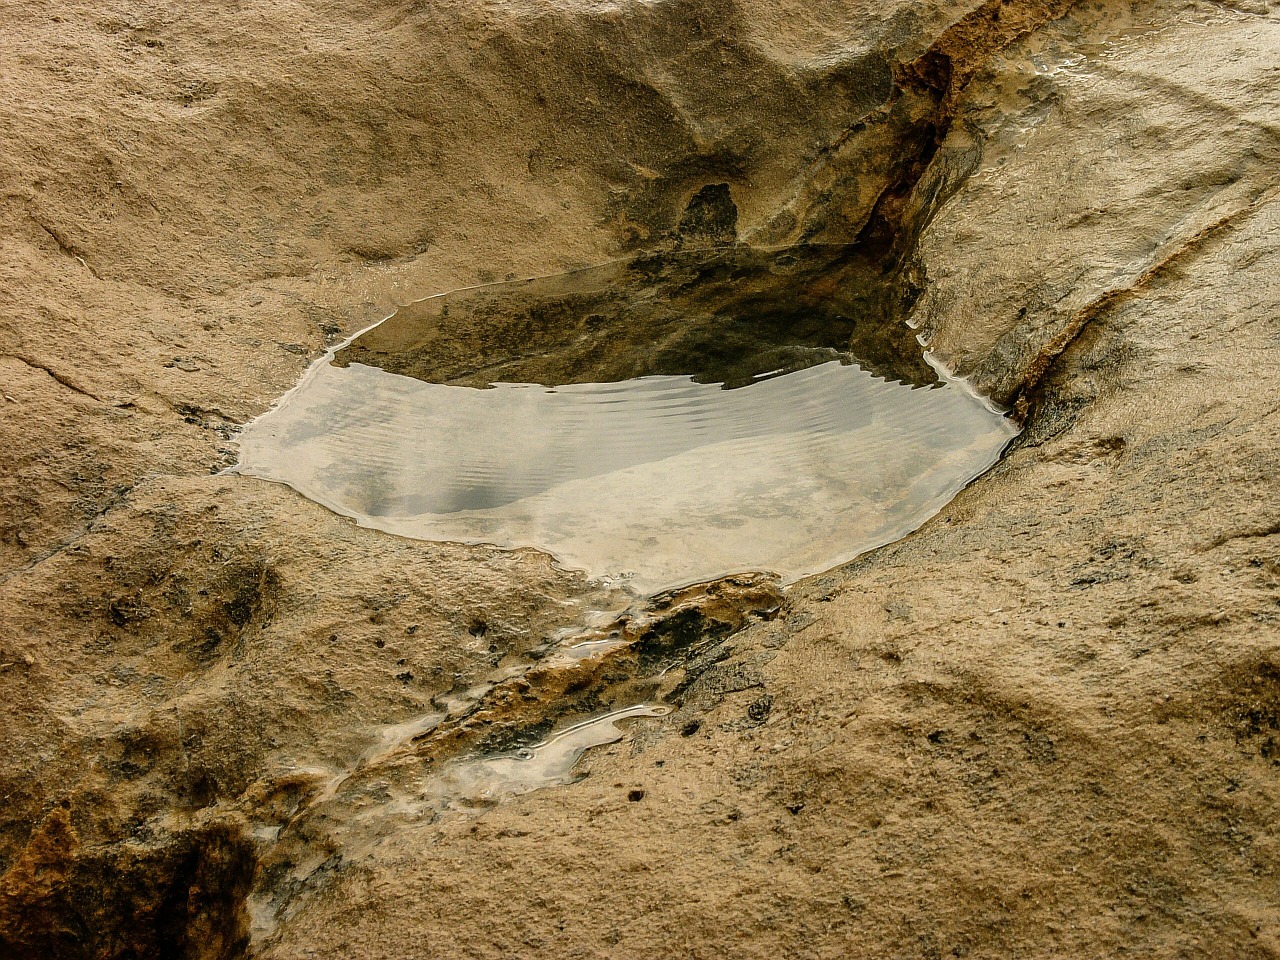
column 658, row 421
column 482, row 781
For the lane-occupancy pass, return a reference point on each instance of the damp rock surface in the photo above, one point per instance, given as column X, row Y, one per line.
column 738, row 426
column 477, row 782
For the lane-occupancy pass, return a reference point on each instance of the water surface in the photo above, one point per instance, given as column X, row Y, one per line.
column 692, row 418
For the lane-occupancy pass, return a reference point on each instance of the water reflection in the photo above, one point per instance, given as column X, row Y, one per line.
column 723, row 316
column 628, row 457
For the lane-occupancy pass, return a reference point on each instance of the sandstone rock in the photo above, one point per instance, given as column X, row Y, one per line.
column 1067, row 747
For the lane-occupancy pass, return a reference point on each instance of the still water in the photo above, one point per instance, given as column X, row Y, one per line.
column 691, row 419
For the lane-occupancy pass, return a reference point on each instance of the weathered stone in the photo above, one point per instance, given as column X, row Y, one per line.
column 1067, row 748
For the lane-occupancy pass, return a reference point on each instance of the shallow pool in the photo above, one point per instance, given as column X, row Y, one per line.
column 749, row 440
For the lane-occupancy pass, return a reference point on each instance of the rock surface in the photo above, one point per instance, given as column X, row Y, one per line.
column 1046, row 724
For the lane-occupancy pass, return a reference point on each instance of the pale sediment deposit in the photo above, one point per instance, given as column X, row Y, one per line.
column 1046, row 723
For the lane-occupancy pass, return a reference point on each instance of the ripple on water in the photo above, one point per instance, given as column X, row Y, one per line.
column 659, row 479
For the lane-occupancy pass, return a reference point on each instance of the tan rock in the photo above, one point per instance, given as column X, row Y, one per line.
column 1046, row 724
